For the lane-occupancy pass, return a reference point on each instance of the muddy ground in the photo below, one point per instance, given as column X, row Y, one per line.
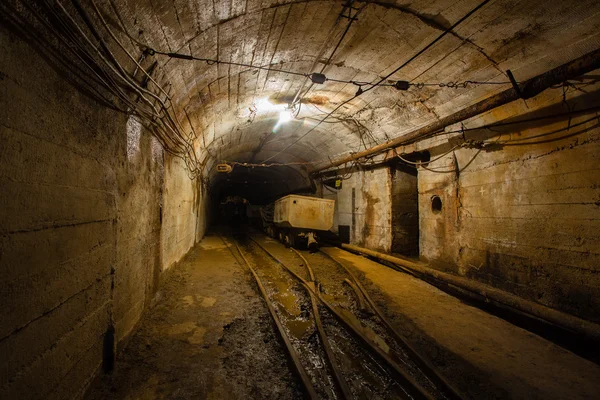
column 208, row 335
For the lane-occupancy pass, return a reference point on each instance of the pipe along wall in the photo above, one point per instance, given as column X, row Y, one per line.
column 514, row 206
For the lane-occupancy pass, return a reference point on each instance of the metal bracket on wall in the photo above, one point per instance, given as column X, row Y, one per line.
column 515, row 85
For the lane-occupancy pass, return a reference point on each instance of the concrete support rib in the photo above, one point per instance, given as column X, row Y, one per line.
column 528, row 89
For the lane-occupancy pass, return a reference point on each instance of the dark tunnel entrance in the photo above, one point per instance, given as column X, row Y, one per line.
column 236, row 196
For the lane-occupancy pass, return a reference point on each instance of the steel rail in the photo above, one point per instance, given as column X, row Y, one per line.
column 306, row 381
column 590, row 330
column 412, row 387
column 337, row 373
column 357, row 293
column 426, row 366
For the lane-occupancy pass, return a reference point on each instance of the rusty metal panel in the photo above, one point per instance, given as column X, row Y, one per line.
column 304, row 212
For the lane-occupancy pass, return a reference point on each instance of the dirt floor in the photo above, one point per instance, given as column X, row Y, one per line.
column 485, row 356
column 209, row 335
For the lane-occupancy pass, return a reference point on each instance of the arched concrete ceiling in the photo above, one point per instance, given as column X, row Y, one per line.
column 215, row 101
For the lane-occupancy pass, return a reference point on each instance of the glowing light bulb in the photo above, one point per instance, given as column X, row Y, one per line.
column 265, row 105
column 285, row 116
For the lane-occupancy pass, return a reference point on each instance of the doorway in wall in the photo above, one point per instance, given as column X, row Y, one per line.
column 405, row 210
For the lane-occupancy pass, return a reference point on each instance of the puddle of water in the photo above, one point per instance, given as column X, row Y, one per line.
column 288, row 304
column 198, row 336
column 287, row 299
column 208, row 302
column 188, row 300
column 178, row 329
column 299, row 328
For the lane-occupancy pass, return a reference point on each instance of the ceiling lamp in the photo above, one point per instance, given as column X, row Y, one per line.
column 224, row 168
column 264, row 105
column 285, row 116
column 316, row 77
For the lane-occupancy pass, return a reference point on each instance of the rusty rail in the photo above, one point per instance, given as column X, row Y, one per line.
column 411, row 385
column 422, row 362
column 528, row 89
column 337, row 374
column 358, row 293
column 306, row 381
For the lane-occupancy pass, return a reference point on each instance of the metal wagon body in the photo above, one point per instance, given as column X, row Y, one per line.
column 298, row 219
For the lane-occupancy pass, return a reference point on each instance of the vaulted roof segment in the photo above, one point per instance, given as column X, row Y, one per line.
column 453, row 52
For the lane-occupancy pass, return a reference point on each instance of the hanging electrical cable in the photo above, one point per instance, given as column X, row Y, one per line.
column 431, row 44
column 94, row 81
column 84, row 29
column 263, row 165
column 385, row 78
column 85, row 41
column 319, row 77
column 211, row 61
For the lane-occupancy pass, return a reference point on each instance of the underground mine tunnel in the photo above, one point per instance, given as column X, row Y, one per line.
column 315, row 199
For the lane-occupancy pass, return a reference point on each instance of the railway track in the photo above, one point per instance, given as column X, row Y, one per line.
column 340, row 343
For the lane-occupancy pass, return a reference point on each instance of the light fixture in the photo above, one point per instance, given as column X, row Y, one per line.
column 264, row 105
column 224, row 168
column 402, row 85
column 285, row 116
column 286, row 111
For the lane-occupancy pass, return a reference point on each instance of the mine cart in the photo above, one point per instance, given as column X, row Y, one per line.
column 298, row 219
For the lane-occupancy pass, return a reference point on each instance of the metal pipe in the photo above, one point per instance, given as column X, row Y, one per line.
column 530, row 88
column 570, row 322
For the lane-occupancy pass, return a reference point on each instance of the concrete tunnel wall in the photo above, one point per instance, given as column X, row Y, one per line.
column 363, row 203
column 96, row 211
column 92, row 211
column 523, row 216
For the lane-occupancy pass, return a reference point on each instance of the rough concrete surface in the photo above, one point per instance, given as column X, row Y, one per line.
column 521, row 214
column 524, row 215
column 80, row 227
column 182, row 206
column 363, row 203
column 485, row 356
column 300, row 36
column 92, row 211
column 405, row 210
